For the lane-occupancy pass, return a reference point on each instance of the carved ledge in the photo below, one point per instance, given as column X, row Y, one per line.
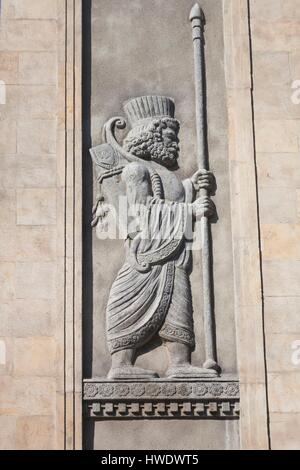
column 198, row 399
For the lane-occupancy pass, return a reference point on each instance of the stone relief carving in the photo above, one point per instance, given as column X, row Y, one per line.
column 151, row 294
column 207, row 398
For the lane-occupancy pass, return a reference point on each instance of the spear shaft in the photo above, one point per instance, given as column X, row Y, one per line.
column 198, row 21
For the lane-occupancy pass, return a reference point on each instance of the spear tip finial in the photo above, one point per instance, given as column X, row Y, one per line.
column 196, row 13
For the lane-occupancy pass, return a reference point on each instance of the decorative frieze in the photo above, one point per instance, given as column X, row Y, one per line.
column 162, row 399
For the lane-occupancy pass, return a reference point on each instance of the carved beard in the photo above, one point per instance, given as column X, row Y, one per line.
column 149, row 145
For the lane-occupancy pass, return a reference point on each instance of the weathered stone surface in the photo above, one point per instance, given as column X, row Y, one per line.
column 277, row 205
column 290, row 9
column 8, row 172
column 282, row 315
column 35, row 433
column 24, row 9
column 44, row 65
column 34, row 395
column 8, row 244
column 36, row 206
column 284, row 392
column 8, row 429
column 270, row 67
column 281, row 353
column 7, row 281
column 37, row 137
column 35, row 280
column 25, row 318
column 276, row 136
column 285, row 431
column 281, row 241
column 35, row 171
column 266, row 10
column 34, row 356
column 28, row 35
column 35, row 243
column 173, row 435
column 279, row 170
column 9, row 64
column 279, row 36
column 281, row 278
column 275, row 101
column 9, row 144
column 294, row 57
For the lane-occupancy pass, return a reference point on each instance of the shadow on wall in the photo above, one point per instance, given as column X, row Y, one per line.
column 87, row 183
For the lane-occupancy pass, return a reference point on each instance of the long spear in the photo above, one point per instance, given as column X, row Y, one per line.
column 198, row 21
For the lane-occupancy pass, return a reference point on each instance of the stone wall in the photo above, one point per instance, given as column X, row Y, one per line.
column 36, row 218
column 275, row 26
column 28, row 218
column 40, row 220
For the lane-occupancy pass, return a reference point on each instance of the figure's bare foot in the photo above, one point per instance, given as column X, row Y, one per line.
column 129, row 372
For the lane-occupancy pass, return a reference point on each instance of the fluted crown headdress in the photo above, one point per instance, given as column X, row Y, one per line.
column 149, row 107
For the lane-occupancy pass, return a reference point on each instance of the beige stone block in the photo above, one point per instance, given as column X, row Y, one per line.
column 276, row 136
column 275, row 102
column 281, row 278
column 295, row 65
column 33, row 9
column 250, row 348
column 7, row 172
column 7, row 281
column 36, row 206
column 35, row 395
column 28, row 35
column 298, row 202
column 7, row 244
column 284, row 392
column 8, row 145
column 9, row 110
column 9, row 63
column 285, row 431
column 7, row 397
column 281, row 356
column 271, row 68
column 35, row 243
column 277, row 205
column 35, row 433
column 44, row 65
column 7, row 208
column 35, row 171
column 282, row 315
column 23, row 318
column 290, row 9
column 280, row 241
column 279, row 170
column 35, row 281
column 36, row 101
column 35, row 356
column 253, row 421
column 37, row 137
column 8, row 432
column 278, row 36
column 267, row 10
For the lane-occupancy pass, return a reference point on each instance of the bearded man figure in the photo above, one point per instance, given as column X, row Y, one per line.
column 152, row 293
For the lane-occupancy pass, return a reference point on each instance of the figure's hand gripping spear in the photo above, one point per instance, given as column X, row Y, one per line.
column 198, row 21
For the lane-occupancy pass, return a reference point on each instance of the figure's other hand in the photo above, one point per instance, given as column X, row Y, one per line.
column 204, row 179
column 204, row 207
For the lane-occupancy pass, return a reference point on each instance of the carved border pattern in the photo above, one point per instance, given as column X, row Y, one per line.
column 153, row 325
column 161, row 399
